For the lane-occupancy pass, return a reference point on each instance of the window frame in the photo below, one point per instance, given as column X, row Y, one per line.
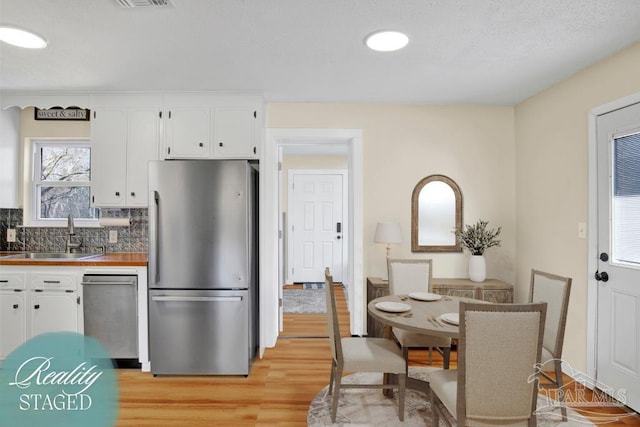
column 36, row 182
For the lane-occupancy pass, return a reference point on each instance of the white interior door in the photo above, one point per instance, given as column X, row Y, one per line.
column 316, row 226
column 618, row 293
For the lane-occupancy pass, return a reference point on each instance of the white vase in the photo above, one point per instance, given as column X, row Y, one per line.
column 477, row 268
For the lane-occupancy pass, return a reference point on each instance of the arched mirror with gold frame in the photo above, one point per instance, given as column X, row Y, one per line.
column 436, row 212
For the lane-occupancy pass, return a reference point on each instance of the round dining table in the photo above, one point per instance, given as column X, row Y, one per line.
column 425, row 317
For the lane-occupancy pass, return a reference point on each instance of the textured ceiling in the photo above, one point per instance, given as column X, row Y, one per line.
column 460, row 51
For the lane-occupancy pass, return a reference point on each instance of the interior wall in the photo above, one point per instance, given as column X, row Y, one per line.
column 551, row 156
column 473, row 145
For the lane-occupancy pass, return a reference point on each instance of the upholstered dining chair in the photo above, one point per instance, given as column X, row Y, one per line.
column 498, row 346
column 555, row 291
column 414, row 275
column 360, row 355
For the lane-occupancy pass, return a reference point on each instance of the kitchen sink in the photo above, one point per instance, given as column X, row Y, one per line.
column 50, row 255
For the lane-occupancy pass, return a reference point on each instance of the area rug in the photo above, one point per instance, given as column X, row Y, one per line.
column 313, row 285
column 301, row 301
column 368, row 407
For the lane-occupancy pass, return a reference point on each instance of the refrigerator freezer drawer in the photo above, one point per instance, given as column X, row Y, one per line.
column 199, row 332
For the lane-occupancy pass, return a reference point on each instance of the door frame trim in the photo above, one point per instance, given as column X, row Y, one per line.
column 592, row 242
column 344, row 173
column 275, row 139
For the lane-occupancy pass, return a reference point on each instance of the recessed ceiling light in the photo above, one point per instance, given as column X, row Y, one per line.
column 386, row 41
column 21, row 38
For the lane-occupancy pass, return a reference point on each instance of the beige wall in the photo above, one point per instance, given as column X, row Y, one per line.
column 551, row 176
column 402, row 144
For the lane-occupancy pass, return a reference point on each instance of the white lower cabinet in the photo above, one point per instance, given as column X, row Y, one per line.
column 13, row 327
column 13, row 305
column 35, row 300
column 53, row 311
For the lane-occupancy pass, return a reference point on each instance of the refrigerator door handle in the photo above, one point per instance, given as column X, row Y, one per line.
column 106, row 282
column 154, row 253
column 195, row 299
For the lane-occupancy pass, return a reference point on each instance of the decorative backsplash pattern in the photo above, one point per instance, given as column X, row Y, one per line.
column 53, row 239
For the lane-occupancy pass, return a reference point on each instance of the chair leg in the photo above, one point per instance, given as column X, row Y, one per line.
column 405, row 356
column 559, row 383
column 402, row 384
column 331, row 378
column 336, row 394
column 446, row 357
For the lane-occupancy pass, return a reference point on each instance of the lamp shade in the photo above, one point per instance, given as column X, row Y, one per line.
column 388, row 232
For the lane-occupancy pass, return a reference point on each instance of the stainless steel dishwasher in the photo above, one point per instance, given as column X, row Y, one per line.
column 111, row 312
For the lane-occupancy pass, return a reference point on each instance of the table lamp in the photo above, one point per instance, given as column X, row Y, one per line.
column 388, row 232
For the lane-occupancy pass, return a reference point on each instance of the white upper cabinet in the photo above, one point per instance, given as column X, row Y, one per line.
column 188, row 130
column 108, row 157
column 235, row 132
column 9, row 166
column 125, row 135
column 212, row 126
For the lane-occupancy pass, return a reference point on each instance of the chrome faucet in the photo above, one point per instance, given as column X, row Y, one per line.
column 71, row 231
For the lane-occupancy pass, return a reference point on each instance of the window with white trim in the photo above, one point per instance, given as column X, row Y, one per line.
column 62, row 180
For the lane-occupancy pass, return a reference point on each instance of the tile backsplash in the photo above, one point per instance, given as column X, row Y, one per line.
column 133, row 238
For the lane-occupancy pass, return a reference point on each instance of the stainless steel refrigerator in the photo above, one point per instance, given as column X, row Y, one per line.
column 202, row 267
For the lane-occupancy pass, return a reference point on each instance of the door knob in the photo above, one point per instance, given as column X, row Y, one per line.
column 602, row 277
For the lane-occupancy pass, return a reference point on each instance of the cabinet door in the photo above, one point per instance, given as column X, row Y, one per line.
column 142, row 147
column 13, row 329
column 53, row 311
column 108, row 157
column 497, row 295
column 10, row 159
column 234, row 133
column 188, row 133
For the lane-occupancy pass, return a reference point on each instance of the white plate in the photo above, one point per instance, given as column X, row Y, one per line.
column 393, row 307
column 451, row 318
column 424, row 296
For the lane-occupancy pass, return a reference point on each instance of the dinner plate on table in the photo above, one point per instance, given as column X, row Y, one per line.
column 392, row 307
column 451, row 318
column 424, row 296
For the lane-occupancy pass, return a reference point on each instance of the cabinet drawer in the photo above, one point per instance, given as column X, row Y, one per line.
column 53, row 281
column 12, row 281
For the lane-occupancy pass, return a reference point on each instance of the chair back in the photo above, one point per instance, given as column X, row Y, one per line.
column 333, row 327
column 555, row 291
column 499, row 344
column 409, row 275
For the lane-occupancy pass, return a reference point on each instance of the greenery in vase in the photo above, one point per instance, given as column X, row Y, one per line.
column 477, row 238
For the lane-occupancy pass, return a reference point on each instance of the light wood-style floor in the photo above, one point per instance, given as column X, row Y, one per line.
column 276, row 393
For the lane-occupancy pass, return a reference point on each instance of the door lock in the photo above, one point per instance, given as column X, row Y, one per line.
column 604, row 257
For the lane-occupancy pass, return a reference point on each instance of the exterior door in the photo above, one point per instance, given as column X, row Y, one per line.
column 618, row 275
column 316, row 228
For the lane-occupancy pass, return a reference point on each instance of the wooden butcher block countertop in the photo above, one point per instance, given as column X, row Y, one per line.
column 116, row 259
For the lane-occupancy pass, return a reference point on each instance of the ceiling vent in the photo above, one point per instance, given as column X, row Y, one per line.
column 129, row 4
